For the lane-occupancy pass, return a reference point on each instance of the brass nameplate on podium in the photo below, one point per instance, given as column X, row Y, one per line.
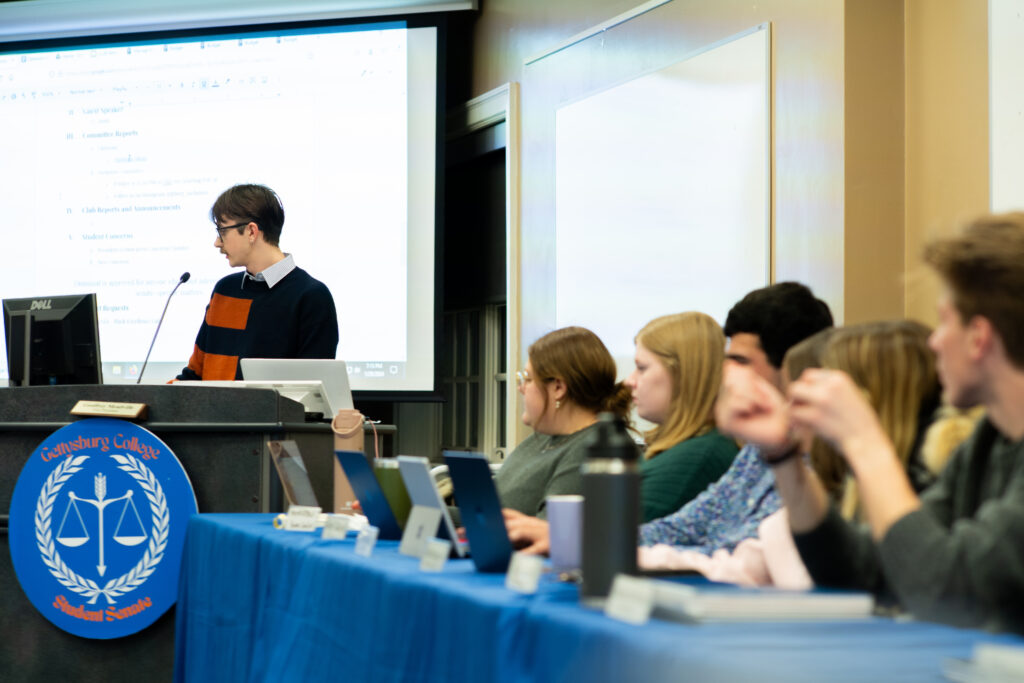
column 131, row 411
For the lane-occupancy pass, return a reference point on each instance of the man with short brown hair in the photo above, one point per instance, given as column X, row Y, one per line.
column 272, row 309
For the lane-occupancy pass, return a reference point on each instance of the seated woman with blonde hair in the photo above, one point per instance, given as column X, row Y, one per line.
column 675, row 383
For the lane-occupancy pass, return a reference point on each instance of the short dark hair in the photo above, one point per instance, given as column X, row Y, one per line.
column 780, row 315
column 256, row 203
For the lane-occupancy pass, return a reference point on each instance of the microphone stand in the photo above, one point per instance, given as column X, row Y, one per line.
column 182, row 280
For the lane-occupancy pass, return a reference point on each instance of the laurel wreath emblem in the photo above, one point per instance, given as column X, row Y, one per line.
column 125, row 583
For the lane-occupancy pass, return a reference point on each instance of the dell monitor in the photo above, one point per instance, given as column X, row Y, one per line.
column 52, row 340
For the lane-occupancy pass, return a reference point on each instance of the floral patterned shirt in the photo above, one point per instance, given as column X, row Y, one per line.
column 726, row 512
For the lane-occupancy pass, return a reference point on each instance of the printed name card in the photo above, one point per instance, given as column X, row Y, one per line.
column 300, row 518
column 366, row 540
column 419, row 529
column 631, row 599
column 335, row 527
column 435, row 555
column 303, row 518
column 132, row 411
column 524, row 573
column 357, row 523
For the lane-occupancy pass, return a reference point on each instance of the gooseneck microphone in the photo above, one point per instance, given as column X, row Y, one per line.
column 181, row 280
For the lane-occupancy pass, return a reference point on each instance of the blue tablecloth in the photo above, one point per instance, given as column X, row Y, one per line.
column 258, row 604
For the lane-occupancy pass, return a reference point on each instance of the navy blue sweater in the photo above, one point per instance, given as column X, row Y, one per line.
column 294, row 319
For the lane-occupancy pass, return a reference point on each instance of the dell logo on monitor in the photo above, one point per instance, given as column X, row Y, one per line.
column 40, row 305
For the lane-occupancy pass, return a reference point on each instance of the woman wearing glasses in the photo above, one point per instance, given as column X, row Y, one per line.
column 569, row 378
column 678, row 373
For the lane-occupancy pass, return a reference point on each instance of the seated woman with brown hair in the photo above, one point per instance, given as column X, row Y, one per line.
column 569, row 378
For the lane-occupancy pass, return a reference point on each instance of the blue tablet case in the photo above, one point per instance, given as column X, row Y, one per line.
column 371, row 496
column 480, row 509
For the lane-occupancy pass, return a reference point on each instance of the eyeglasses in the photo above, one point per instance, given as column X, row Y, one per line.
column 221, row 230
column 522, row 377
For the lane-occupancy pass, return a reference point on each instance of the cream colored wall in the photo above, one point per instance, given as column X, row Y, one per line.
column 947, row 159
column 509, row 31
column 873, row 158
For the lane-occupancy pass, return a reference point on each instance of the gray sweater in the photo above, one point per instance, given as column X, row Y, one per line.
column 542, row 466
column 958, row 559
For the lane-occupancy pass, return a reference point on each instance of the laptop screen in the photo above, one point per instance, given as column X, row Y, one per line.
column 292, row 470
column 333, row 374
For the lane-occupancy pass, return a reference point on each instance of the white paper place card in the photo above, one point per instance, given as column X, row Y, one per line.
column 524, row 573
column 302, row 518
column 366, row 540
column 335, row 527
column 357, row 523
column 310, row 511
column 419, row 529
column 631, row 599
column 436, row 554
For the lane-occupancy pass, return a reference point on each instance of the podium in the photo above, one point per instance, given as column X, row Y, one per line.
column 219, row 435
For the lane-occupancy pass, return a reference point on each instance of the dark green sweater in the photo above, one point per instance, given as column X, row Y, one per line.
column 676, row 476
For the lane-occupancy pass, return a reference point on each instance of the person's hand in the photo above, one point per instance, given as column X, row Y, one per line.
column 752, row 410
column 828, row 402
column 832, row 406
column 527, row 534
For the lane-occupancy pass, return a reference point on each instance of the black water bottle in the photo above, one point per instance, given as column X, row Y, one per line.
column 611, row 507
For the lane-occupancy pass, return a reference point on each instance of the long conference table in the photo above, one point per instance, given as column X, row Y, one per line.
column 261, row 604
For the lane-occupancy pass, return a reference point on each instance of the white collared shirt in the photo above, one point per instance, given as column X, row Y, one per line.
column 274, row 273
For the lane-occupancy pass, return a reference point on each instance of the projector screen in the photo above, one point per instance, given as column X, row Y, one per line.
column 114, row 152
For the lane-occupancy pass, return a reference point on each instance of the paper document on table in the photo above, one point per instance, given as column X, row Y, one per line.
column 742, row 604
column 991, row 663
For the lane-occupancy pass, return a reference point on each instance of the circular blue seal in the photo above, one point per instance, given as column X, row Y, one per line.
column 97, row 527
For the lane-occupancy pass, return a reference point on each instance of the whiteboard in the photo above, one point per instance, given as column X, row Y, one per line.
column 662, row 193
column 1006, row 105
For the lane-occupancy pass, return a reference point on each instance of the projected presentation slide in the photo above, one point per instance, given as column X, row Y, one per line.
column 114, row 153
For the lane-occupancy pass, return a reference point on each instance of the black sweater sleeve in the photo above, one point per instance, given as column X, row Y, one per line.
column 317, row 323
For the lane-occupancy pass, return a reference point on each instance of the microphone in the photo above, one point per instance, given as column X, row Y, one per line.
column 181, row 280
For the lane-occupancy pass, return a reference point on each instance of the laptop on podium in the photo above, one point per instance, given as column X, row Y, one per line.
column 289, row 373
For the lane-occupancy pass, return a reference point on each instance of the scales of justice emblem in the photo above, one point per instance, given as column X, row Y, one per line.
column 83, row 522
column 97, row 527
column 132, row 533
